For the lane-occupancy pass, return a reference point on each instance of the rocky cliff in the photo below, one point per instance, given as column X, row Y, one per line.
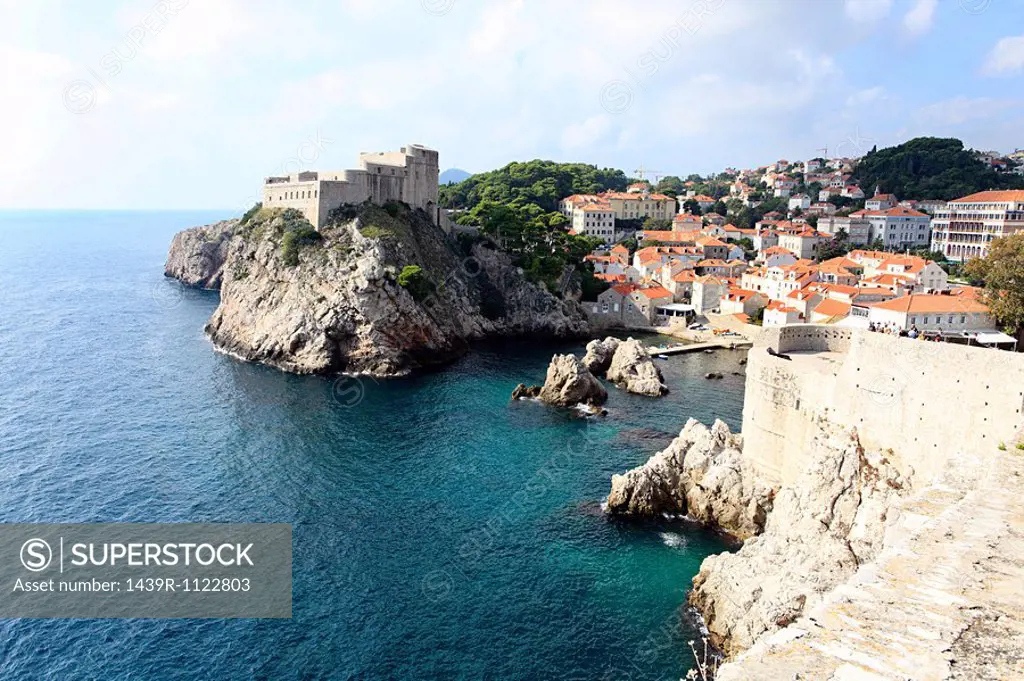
column 380, row 291
column 818, row 532
column 197, row 255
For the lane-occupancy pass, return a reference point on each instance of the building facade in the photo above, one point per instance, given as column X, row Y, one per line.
column 409, row 175
column 965, row 228
column 595, row 219
column 897, row 227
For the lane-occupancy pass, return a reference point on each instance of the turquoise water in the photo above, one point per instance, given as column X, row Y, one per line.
column 439, row 531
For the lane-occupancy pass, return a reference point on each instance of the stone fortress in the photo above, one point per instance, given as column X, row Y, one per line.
column 409, row 175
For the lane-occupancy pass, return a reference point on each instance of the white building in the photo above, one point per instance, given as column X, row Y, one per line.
column 932, row 313
column 801, row 201
column 964, row 228
column 595, row 219
column 897, row 227
column 858, row 230
column 804, row 244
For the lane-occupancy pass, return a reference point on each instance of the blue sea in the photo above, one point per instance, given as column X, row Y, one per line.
column 440, row 531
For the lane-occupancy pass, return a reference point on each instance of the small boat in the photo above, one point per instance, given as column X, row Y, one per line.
column 662, row 356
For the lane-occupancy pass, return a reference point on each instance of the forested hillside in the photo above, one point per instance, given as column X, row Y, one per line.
column 930, row 168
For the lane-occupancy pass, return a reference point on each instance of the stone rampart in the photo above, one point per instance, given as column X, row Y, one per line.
column 930, row 403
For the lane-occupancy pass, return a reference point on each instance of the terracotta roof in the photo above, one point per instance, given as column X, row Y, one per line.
column 710, row 241
column 598, row 207
column 779, row 306
column 685, row 276
column 672, row 236
column 625, row 289
column 832, row 308
column 992, row 196
column 656, row 292
column 778, row 250
column 918, row 303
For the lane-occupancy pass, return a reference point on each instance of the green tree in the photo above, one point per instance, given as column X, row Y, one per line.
column 1002, row 272
column 691, row 206
column 670, row 185
column 656, row 225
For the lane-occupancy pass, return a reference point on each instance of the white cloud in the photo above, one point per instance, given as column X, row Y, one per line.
column 867, row 96
column 960, row 110
column 587, row 133
column 867, row 10
column 1006, row 58
column 919, row 19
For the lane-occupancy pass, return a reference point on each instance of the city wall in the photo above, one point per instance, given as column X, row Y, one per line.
column 931, row 404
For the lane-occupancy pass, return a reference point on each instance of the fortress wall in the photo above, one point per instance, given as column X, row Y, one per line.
column 932, row 404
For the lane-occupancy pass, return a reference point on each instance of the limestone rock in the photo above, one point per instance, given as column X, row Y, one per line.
column 700, row 474
column 819, row 530
column 197, row 255
column 568, row 383
column 525, row 392
column 632, row 368
column 338, row 305
column 599, row 355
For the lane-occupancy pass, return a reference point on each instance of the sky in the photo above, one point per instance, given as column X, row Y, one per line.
column 154, row 104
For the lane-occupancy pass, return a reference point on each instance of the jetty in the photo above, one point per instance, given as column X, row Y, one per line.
column 718, row 344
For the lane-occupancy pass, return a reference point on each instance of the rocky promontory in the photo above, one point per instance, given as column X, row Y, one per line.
column 701, row 474
column 380, row 290
column 197, row 255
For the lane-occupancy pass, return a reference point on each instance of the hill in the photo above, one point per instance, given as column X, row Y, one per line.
column 929, row 168
column 538, row 182
column 453, row 176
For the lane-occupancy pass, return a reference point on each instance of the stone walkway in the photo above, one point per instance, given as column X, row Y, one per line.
column 944, row 600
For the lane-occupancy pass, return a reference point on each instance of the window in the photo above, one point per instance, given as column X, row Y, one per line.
column 616, row 307
column 963, row 319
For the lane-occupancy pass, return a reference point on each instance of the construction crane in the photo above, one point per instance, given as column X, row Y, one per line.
column 642, row 173
column 824, row 151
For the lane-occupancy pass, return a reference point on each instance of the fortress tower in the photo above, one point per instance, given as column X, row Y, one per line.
column 409, row 175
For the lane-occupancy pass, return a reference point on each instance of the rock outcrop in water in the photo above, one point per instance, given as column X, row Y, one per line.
column 599, row 355
column 701, row 475
column 380, row 291
column 819, row 530
column 197, row 255
column 631, row 368
column 568, row 383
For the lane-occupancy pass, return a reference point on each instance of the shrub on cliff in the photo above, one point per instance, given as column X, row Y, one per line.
column 413, row 280
column 250, row 214
column 297, row 234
